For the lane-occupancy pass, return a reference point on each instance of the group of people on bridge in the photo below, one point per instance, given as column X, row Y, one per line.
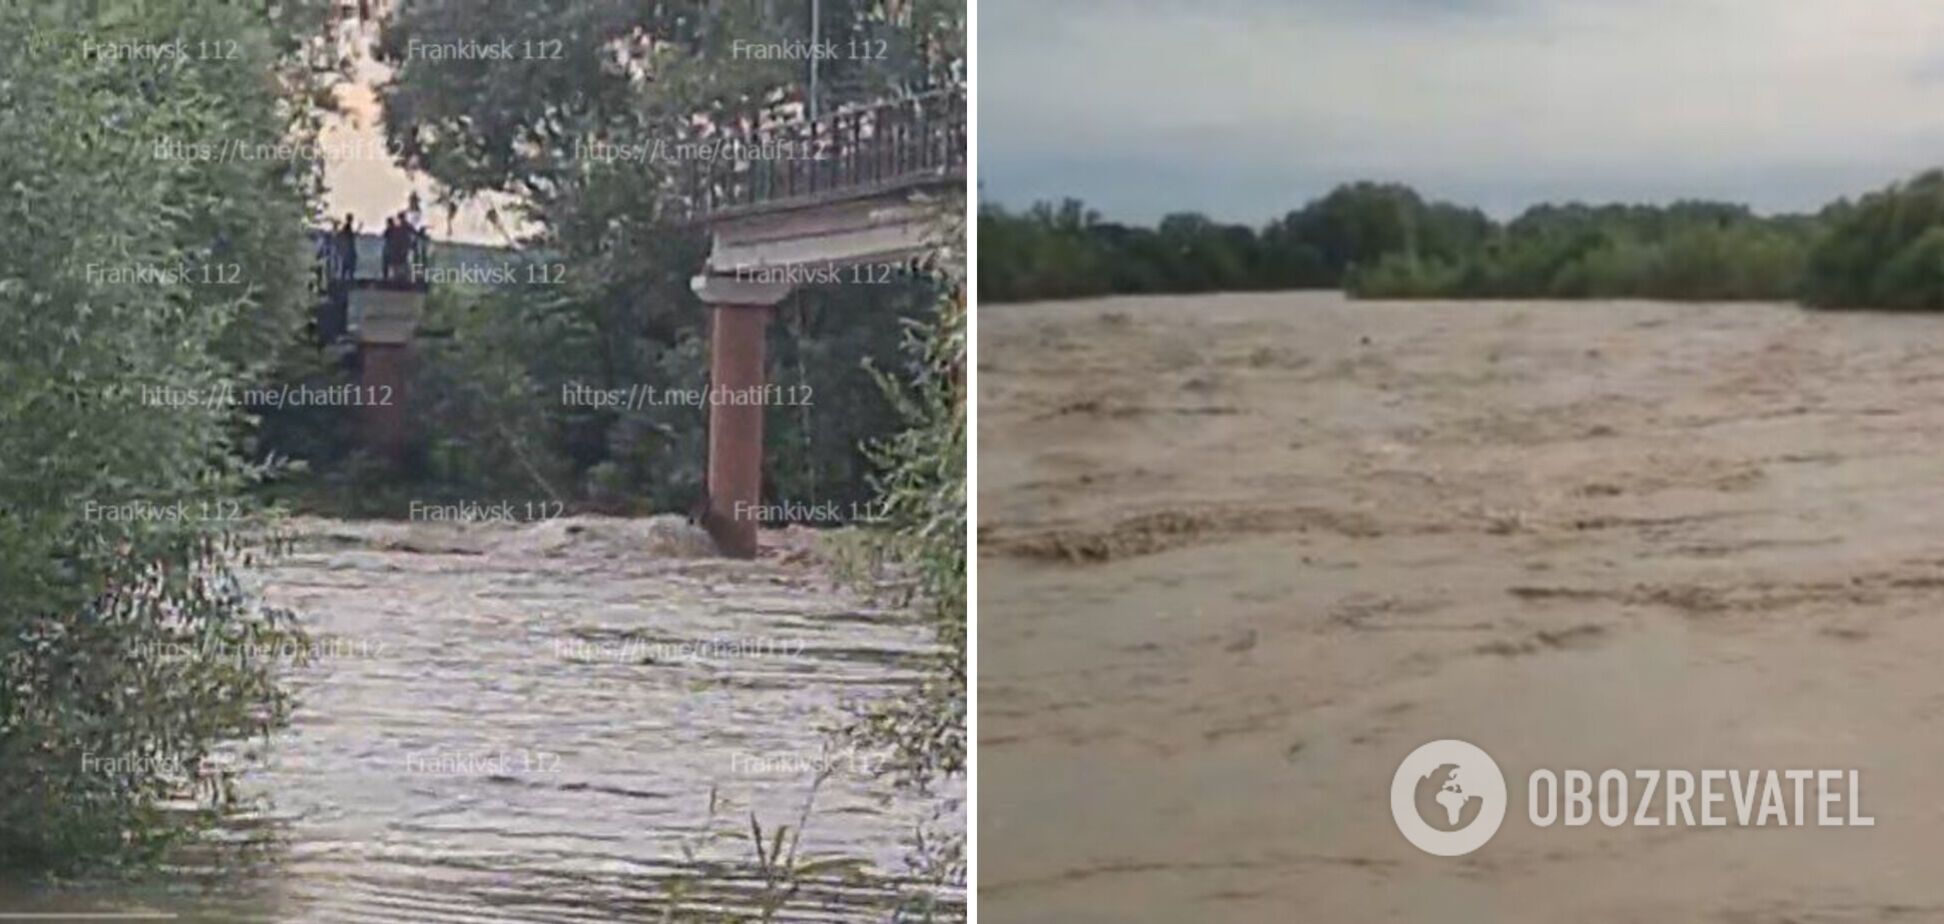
column 403, row 252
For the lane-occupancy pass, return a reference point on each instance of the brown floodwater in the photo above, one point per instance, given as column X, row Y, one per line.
column 570, row 720
column 1241, row 554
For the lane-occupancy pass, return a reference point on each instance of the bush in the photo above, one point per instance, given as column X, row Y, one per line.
column 121, row 666
column 1884, row 251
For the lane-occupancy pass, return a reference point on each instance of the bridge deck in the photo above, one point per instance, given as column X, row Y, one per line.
column 852, row 153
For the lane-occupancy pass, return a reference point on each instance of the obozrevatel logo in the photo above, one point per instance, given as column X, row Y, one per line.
column 1448, row 798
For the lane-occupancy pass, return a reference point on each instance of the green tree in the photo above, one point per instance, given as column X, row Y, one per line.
column 121, row 619
column 1881, row 250
column 1068, row 252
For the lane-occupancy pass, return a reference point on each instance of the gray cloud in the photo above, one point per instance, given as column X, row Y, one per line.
column 1246, row 108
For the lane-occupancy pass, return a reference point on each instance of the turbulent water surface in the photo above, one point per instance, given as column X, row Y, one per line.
column 527, row 723
column 1242, row 554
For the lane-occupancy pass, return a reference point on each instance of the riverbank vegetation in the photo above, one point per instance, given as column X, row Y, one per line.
column 1885, row 250
column 921, row 493
column 129, row 653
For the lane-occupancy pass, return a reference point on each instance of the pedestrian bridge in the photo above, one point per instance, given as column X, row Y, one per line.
column 843, row 197
column 853, row 186
column 371, row 319
column 835, row 198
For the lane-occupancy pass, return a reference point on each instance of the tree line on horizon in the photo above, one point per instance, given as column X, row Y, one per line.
column 1384, row 240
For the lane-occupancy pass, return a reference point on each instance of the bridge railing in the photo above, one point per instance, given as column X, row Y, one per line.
column 847, row 153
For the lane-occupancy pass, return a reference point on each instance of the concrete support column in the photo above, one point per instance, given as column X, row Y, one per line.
column 738, row 350
column 384, row 317
column 384, row 376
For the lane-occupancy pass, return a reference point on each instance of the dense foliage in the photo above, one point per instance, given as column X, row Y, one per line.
column 1069, row 252
column 1886, row 250
column 131, row 269
column 1385, row 241
column 1688, row 250
column 921, row 498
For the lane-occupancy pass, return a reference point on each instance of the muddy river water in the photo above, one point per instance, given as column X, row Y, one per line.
column 560, row 721
column 1243, row 554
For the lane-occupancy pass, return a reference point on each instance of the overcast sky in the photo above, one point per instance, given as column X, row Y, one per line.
column 1246, row 109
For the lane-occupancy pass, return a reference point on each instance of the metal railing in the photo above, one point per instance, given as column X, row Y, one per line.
column 848, row 153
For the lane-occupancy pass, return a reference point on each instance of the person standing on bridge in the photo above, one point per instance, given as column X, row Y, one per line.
column 392, row 252
column 323, row 259
column 411, row 240
column 347, row 249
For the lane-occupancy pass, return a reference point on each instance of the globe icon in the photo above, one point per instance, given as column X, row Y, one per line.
column 1444, row 801
column 1448, row 797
